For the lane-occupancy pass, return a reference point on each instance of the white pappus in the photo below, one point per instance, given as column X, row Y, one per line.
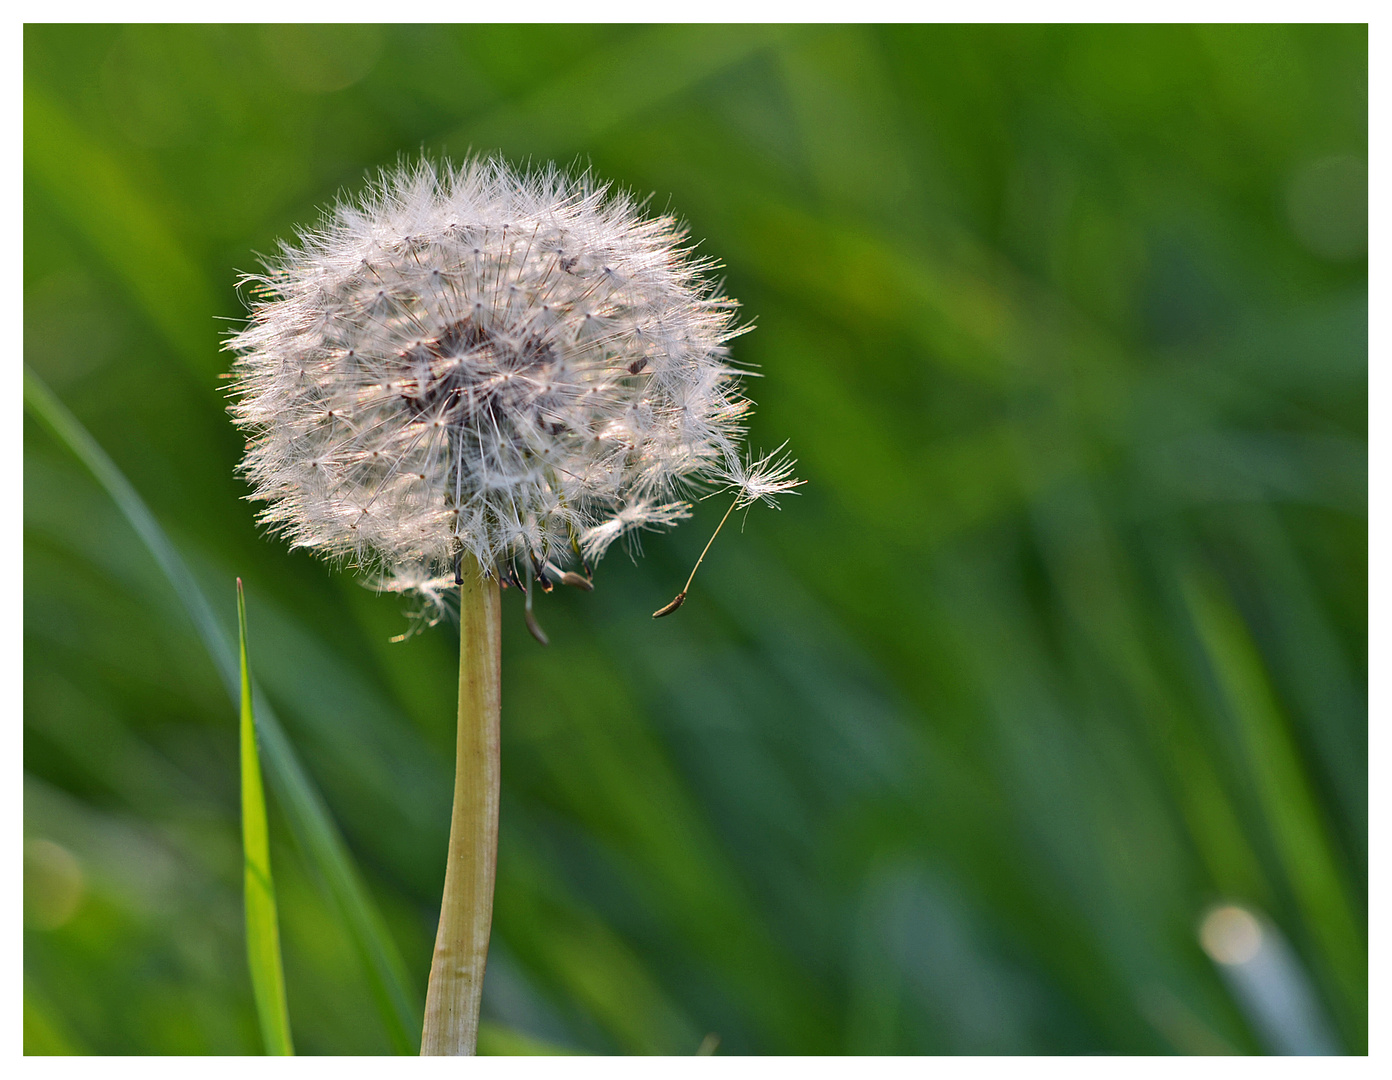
column 479, row 361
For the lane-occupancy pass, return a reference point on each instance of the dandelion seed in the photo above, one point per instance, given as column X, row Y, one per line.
column 763, row 480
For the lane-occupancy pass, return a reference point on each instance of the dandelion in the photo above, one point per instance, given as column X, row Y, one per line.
column 476, row 376
column 477, row 362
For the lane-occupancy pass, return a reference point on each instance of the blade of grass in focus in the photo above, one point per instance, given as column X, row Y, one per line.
column 262, row 923
column 304, row 808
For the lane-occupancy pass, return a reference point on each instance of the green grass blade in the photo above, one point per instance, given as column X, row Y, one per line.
column 1294, row 815
column 262, row 923
column 304, row 808
column 96, row 193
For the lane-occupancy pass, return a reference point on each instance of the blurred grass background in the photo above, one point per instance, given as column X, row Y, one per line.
column 1065, row 641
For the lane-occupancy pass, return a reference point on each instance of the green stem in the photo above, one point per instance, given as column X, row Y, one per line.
column 466, row 911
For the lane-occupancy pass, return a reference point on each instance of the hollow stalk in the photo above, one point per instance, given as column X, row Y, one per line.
column 466, row 911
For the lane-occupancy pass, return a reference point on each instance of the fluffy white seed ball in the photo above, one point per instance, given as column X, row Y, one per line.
column 513, row 366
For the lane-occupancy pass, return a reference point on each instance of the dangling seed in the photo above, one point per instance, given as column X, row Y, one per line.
column 681, row 596
column 536, row 631
column 532, row 626
column 678, row 602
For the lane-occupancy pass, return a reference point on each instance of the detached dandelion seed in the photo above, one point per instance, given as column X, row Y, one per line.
column 474, row 376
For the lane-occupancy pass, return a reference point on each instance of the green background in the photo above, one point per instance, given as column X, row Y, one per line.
column 1064, row 641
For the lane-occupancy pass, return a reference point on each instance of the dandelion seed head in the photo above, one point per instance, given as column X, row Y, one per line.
column 488, row 362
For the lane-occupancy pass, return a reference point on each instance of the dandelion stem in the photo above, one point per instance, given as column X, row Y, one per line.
column 466, row 911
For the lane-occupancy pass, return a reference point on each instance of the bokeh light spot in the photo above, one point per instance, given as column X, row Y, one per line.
column 1230, row 935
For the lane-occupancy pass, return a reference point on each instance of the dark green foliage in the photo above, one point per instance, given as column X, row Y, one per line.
column 1065, row 641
